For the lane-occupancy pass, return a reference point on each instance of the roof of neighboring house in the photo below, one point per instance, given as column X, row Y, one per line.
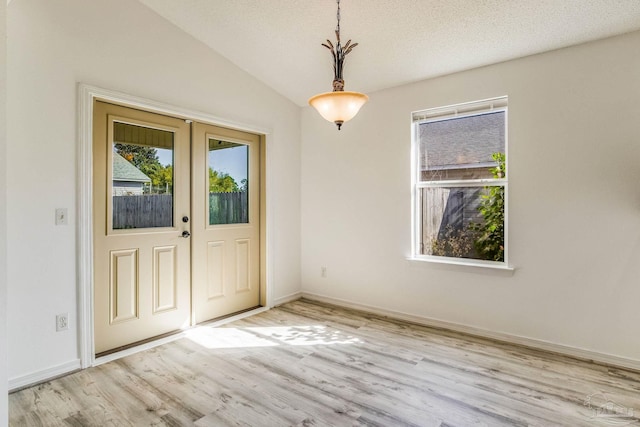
column 123, row 170
column 448, row 141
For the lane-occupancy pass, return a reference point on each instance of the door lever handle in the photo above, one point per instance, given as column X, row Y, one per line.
column 185, row 234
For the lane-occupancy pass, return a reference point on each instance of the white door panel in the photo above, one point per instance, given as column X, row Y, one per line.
column 226, row 222
column 141, row 263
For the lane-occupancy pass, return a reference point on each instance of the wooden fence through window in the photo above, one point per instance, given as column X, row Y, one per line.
column 228, row 208
column 156, row 210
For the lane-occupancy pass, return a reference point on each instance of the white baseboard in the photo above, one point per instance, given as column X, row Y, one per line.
column 38, row 377
column 576, row 352
column 287, row 298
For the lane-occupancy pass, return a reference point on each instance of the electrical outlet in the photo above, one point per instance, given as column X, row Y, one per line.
column 62, row 322
column 323, row 271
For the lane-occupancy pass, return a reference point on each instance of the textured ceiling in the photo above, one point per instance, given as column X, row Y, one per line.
column 401, row 41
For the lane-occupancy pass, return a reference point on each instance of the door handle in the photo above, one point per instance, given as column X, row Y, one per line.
column 185, row 234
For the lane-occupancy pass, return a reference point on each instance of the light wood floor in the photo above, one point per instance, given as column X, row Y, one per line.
column 307, row 364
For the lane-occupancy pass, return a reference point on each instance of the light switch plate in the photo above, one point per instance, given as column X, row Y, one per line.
column 61, row 216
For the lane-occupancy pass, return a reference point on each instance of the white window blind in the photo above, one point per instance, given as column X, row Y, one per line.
column 459, row 110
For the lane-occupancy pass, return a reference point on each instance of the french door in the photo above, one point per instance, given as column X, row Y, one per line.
column 226, row 238
column 176, row 224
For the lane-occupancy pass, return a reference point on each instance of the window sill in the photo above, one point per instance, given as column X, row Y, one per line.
column 464, row 263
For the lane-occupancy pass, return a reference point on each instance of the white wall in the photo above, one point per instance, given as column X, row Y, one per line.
column 3, row 216
column 123, row 46
column 574, row 231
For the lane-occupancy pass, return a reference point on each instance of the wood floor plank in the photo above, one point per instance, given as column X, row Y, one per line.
column 311, row 364
column 297, row 398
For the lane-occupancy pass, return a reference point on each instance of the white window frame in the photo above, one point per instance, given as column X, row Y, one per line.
column 475, row 108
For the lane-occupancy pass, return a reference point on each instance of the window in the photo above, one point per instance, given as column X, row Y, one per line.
column 460, row 183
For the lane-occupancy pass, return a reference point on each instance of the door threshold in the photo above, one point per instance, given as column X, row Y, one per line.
column 224, row 318
column 138, row 343
column 116, row 354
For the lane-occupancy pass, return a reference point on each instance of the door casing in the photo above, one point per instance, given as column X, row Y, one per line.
column 85, row 98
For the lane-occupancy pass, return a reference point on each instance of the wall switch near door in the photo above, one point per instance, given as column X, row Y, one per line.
column 61, row 216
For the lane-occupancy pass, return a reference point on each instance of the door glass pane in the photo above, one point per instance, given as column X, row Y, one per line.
column 228, row 182
column 142, row 177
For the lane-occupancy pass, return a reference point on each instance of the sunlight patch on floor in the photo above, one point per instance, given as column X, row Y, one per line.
column 304, row 335
column 226, row 338
column 268, row 336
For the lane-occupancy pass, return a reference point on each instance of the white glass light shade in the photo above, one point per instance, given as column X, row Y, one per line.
column 340, row 106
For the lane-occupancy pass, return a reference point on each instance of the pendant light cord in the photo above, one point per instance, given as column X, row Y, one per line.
column 338, row 17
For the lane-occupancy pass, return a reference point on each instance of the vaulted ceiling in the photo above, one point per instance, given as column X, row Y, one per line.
column 400, row 41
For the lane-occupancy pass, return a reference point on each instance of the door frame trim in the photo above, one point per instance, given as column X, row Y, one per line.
column 86, row 95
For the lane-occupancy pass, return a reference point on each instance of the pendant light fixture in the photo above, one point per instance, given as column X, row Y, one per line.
column 338, row 106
